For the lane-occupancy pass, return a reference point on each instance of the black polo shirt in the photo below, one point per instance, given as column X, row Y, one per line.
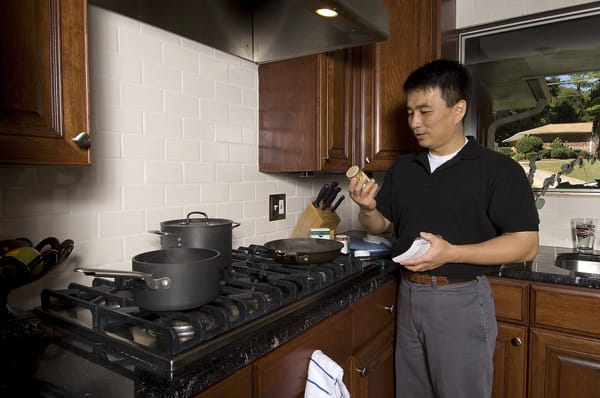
column 475, row 196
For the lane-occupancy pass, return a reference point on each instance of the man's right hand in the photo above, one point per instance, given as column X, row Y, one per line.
column 363, row 194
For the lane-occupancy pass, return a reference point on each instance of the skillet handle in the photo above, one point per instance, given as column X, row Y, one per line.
column 151, row 282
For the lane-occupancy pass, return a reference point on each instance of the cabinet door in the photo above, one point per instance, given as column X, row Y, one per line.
column 44, row 90
column 282, row 373
column 238, row 385
column 374, row 312
column 562, row 365
column 510, row 361
column 414, row 40
column 307, row 113
column 373, row 364
column 339, row 112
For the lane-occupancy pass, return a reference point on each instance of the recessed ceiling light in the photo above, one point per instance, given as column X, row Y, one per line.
column 326, row 12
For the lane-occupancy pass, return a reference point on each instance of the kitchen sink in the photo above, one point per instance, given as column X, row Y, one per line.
column 579, row 263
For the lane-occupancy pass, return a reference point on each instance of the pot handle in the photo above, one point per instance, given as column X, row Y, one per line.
column 235, row 224
column 187, row 219
column 161, row 233
column 151, row 282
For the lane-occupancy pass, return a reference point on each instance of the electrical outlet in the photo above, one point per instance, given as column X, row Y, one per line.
column 277, row 207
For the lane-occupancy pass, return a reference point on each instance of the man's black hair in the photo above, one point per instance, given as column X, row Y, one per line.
column 452, row 78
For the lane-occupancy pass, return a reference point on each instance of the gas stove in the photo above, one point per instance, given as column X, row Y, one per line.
column 254, row 290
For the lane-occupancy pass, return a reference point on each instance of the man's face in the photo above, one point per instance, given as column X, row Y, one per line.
column 436, row 126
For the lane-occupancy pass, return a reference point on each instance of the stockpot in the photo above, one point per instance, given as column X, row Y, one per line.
column 200, row 232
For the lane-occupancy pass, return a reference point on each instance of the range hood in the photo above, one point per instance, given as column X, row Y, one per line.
column 262, row 30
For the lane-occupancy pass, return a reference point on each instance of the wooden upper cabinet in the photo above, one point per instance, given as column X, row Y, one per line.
column 44, row 90
column 415, row 39
column 327, row 112
column 306, row 113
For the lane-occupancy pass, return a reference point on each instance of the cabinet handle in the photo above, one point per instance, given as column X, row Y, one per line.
column 516, row 341
column 82, row 139
column 326, row 158
column 367, row 160
column 363, row 372
column 389, row 308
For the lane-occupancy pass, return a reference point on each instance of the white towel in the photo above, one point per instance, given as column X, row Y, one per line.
column 324, row 378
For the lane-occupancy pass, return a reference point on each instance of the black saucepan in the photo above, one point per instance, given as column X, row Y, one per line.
column 300, row 251
column 170, row 279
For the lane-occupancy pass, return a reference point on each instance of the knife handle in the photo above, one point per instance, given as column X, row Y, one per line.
column 320, row 195
column 338, row 203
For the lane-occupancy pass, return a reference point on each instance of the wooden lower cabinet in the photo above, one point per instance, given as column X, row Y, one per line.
column 373, row 367
column 360, row 338
column 238, row 385
column 510, row 361
column 548, row 342
column 564, row 365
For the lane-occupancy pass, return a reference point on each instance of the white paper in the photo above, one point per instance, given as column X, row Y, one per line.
column 418, row 248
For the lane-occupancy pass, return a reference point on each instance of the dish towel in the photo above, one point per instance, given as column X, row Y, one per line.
column 324, row 378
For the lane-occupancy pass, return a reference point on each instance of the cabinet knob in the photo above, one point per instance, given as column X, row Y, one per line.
column 516, row 341
column 389, row 308
column 367, row 160
column 363, row 372
column 326, row 158
column 82, row 139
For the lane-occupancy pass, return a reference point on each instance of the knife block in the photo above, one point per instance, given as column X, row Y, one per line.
column 315, row 218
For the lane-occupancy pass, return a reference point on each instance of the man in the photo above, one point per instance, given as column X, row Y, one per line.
column 476, row 208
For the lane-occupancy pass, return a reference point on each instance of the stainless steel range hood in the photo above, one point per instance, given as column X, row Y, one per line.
column 262, row 30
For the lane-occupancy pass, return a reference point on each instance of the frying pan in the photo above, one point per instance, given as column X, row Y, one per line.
column 301, row 251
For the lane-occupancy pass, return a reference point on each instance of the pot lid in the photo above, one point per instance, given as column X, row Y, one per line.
column 202, row 220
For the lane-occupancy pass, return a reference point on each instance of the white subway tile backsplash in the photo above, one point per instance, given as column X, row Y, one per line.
column 181, row 194
column 240, row 153
column 228, row 133
column 256, row 208
column 250, row 98
column 194, row 129
column 93, row 198
column 34, row 201
column 183, row 150
column 228, row 173
column 211, row 110
column 243, row 116
column 159, row 76
column 123, row 68
column 14, row 176
column 141, row 97
column 162, row 125
column 213, row 69
column 119, row 171
column 182, row 105
column 143, row 196
column 215, row 193
column 199, row 173
column 264, row 226
column 143, row 147
column 133, row 42
column 164, row 172
column 181, row 58
column 242, row 192
column 106, row 145
column 243, row 76
column 215, row 152
column 141, row 243
column 154, row 216
column 198, row 86
column 79, row 227
column 122, row 223
column 106, row 91
column 115, row 119
column 228, row 93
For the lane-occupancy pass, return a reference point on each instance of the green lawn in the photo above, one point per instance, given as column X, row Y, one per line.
column 587, row 173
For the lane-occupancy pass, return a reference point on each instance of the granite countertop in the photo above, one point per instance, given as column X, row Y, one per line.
column 542, row 269
column 47, row 362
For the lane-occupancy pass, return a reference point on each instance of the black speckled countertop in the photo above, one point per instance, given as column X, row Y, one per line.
column 45, row 362
column 542, row 269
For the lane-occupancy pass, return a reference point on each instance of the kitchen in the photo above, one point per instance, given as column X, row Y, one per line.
column 175, row 129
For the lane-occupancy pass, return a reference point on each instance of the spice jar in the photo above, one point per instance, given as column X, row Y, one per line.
column 356, row 172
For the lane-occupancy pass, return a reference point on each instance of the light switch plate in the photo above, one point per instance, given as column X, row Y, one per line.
column 277, row 207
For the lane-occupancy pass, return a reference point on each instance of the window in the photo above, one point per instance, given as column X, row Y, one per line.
column 537, row 95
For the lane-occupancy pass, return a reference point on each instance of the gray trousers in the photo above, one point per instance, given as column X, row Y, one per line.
column 445, row 340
